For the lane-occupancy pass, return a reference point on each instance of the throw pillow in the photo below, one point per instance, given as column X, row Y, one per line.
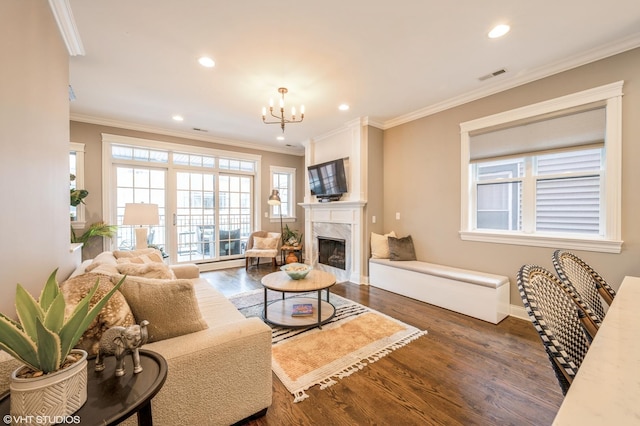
column 143, row 258
column 170, row 307
column 148, row 270
column 115, row 312
column 119, row 254
column 102, row 268
column 265, row 243
column 401, row 248
column 380, row 245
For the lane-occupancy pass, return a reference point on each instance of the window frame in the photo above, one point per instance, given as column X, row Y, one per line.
column 109, row 178
column 290, row 215
column 610, row 241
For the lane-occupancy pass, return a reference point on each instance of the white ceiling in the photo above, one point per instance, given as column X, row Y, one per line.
column 391, row 61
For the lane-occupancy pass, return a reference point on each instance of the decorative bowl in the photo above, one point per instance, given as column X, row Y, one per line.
column 296, row 271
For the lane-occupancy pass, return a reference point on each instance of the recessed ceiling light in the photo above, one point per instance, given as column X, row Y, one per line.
column 280, row 138
column 343, row 107
column 499, row 31
column 178, row 117
column 205, row 61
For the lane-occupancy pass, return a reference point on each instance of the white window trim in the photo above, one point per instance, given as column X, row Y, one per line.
column 78, row 148
column 291, row 216
column 611, row 242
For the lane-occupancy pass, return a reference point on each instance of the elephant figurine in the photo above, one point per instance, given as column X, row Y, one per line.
column 120, row 341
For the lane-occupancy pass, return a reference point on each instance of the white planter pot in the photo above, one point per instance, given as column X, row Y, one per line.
column 54, row 395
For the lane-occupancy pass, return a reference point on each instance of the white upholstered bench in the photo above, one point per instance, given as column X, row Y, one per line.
column 477, row 294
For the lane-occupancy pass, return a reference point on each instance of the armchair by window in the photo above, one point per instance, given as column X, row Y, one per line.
column 263, row 244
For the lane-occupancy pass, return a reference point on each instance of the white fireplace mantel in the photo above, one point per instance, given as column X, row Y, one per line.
column 337, row 212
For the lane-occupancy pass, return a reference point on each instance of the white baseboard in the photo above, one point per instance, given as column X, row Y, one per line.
column 518, row 312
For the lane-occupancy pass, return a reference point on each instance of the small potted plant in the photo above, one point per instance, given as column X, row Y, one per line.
column 291, row 237
column 43, row 339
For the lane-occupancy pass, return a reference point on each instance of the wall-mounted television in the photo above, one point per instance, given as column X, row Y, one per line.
column 328, row 181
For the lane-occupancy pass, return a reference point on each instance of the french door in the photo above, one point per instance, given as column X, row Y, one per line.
column 206, row 214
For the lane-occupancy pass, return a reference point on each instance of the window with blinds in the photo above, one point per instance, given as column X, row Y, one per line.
column 547, row 174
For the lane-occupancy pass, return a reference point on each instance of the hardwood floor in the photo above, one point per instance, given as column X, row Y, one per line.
column 463, row 372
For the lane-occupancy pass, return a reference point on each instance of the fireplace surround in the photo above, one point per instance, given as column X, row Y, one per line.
column 339, row 220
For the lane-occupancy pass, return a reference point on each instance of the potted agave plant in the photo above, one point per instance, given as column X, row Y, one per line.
column 53, row 380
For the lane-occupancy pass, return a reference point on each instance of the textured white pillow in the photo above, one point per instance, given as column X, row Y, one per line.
column 143, row 258
column 380, row 245
column 265, row 243
column 147, row 270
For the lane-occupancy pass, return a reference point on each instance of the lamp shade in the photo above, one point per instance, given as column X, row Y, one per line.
column 274, row 198
column 141, row 214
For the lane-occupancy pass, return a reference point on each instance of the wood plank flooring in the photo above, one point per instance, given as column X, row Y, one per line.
column 463, row 372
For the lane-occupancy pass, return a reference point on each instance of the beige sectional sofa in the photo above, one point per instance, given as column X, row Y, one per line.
column 217, row 376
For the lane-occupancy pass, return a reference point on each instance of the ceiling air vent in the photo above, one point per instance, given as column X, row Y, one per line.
column 493, row 74
column 197, row 129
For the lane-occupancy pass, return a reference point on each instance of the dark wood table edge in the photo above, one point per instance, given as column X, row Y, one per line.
column 143, row 407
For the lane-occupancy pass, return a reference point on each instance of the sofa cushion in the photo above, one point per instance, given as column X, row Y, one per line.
column 401, row 248
column 380, row 245
column 148, row 270
column 170, row 306
column 115, row 312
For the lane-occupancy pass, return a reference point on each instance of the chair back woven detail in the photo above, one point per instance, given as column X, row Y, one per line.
column 555, row 318
column 584, row 282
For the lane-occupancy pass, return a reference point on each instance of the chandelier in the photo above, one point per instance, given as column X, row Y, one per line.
column 281, row 118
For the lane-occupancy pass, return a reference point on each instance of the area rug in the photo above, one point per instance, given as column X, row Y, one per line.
column 355, row 337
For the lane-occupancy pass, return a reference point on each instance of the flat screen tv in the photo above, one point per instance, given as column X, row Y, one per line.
column 328, row 181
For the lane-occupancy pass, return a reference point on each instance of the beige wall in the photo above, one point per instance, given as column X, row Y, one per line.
column 91, row 136
column 34, row 150
column 375, row 193
column 422, row 177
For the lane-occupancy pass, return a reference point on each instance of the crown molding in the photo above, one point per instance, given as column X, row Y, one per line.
column 601, row 52
column 185, row 135
column 67, row 25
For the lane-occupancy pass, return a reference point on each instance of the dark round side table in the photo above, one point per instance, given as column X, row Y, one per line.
column 111, row 399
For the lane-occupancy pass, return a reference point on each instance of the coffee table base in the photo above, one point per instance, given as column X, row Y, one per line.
column 278, row 313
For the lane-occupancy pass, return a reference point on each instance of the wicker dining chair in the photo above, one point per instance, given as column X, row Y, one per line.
column 584, row 281
column 556, row 319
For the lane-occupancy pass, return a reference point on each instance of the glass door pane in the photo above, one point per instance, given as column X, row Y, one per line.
column 235, row 212
column 136, row 184
column 195, row 217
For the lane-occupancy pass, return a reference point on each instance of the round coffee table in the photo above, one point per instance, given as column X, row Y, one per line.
column 279, row 312
column 112, row 399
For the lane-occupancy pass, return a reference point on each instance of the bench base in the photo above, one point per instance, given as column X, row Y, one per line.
column 450, row 288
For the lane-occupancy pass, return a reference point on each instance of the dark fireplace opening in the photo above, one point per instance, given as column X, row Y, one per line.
column 331, row 251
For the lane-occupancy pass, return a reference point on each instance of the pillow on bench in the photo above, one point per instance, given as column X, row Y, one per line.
column 380, row 245
column 401, row 248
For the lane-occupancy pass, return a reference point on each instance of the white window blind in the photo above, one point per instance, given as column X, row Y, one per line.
column 565, row 130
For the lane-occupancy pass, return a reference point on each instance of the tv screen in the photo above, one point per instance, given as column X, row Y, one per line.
column 328, row 179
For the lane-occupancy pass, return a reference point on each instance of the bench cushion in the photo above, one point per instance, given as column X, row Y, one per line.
column 472, row 277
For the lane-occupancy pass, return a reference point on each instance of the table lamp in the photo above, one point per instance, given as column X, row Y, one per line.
column 141, row 214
